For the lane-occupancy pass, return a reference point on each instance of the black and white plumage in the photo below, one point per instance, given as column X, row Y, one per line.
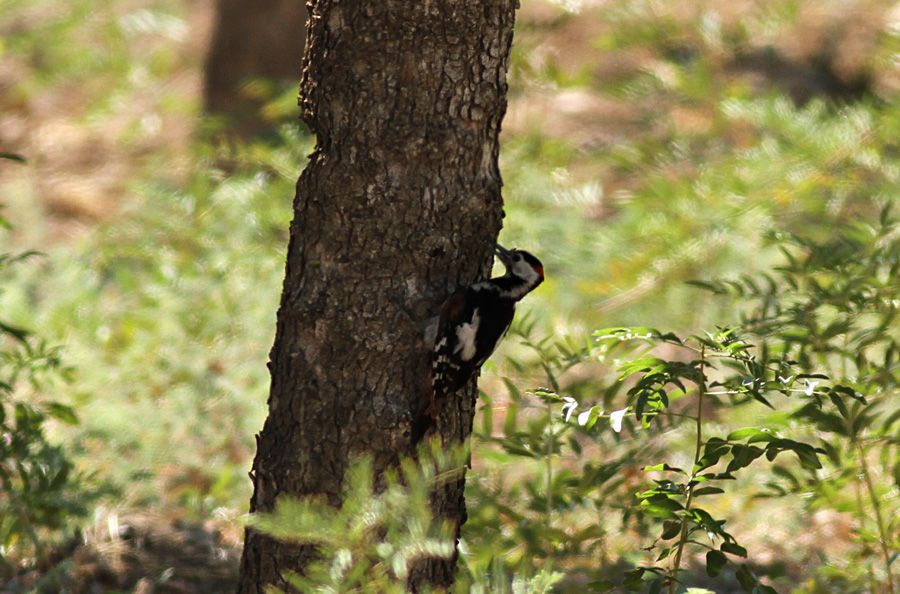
column 472, row 323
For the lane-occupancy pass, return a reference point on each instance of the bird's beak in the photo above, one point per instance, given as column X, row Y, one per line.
column 503, row 253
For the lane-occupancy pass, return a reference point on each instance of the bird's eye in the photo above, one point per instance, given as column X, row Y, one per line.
column 517, row 258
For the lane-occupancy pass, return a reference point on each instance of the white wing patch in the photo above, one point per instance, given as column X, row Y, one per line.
column 465, row 337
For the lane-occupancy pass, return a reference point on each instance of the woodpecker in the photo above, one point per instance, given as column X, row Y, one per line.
column 471, row 324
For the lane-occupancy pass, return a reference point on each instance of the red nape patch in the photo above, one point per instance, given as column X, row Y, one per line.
column 539, row 270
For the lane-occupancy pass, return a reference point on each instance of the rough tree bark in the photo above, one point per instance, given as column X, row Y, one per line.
column 398, row 206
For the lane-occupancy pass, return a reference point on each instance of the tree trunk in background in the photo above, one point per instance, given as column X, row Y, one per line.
column 258, row 39
column 398, row 207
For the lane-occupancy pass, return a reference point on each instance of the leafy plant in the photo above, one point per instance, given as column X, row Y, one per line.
column 40, row 492
column 542, row 499
column 816, row 346
column 370, row 543
column 716, row 370
column 834, row 306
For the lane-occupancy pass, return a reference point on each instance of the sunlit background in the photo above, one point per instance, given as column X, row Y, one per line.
column 647, row 143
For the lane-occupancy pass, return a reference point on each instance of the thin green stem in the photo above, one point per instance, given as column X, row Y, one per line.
column 683, row 539
column 861, row 518
column 548, row 456
column 879, row 517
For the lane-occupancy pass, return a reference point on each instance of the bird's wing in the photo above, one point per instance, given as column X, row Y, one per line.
column 452, row 312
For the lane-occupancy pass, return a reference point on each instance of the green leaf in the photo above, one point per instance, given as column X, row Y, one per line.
column 839, row 404
column 712, row 452
column 660, row 506
column 706, row 521
column 518, row 450
column 17, row 333
column 13, row 157
column 575, row 445
column 510, row 421
column 633, row 579
column 751, row 434
column 64, row 413
column 891, row 419
column 671, row 529
column 806, row 453
column 661, row 467
column 849, row 392
column 761, row 399
column 743, row 456
column 514, row 393
column 487, row 415
column 640, row 405
column 715, row 561
column 643, row 364
column 745, row 578
column 635, row 333
column 546, row 395
column 707, row 491
column 734, row 549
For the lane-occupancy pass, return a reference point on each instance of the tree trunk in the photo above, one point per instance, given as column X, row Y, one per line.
column 259, row 39
column 398, row 206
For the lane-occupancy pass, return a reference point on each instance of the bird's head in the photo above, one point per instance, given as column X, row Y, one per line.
column 522, row 265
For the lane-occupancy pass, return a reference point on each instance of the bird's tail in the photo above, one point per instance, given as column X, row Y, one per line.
column 426, row 417
column 421, row 425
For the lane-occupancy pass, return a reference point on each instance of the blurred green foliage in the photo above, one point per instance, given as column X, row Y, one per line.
column 834, row 306
column 173, row 326
column 371, row 543
column 41, row 494
column 816, row 343
column 647, row 143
